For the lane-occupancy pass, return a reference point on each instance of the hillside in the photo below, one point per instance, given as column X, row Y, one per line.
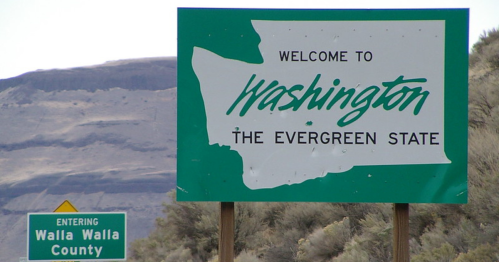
column 132, row 74
column 103, row 137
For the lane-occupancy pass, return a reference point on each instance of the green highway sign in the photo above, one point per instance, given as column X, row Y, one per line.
column 322, row 105
column 76, row 236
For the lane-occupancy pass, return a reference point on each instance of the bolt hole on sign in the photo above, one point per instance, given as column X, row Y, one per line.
column 322, row 105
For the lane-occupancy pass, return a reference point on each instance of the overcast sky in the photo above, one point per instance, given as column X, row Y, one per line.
column 47, row 34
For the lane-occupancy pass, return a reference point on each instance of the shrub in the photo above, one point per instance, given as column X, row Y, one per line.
column 325, row 243
column 353, row 252
column 483, row 253
column 443, row 253
column 486, row 49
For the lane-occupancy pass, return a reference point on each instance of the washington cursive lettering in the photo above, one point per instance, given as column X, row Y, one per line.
column 397, row 93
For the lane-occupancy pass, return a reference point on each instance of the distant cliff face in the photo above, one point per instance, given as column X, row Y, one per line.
column 134, row 74
column 103, row 137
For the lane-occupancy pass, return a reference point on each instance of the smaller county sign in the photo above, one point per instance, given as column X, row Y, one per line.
column 76, row 236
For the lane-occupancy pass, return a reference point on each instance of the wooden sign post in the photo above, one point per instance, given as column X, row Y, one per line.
column 401, row 232
column 226, row 232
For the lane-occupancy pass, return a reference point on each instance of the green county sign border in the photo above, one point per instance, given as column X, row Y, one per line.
column 322, row 105
column 77, row 236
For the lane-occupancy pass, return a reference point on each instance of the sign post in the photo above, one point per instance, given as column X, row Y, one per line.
column 76, row 236
column 226, row 232
column 401, row 232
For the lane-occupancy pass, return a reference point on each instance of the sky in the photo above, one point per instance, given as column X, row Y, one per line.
column 48, row 34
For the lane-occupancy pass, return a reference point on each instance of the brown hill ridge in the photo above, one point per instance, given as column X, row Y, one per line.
column 131, row 74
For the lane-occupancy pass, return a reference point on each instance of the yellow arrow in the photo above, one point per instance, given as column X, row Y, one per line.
column 66, row 206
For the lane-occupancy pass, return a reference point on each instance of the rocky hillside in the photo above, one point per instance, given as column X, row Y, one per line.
column 103, row 137
column 134, row 74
